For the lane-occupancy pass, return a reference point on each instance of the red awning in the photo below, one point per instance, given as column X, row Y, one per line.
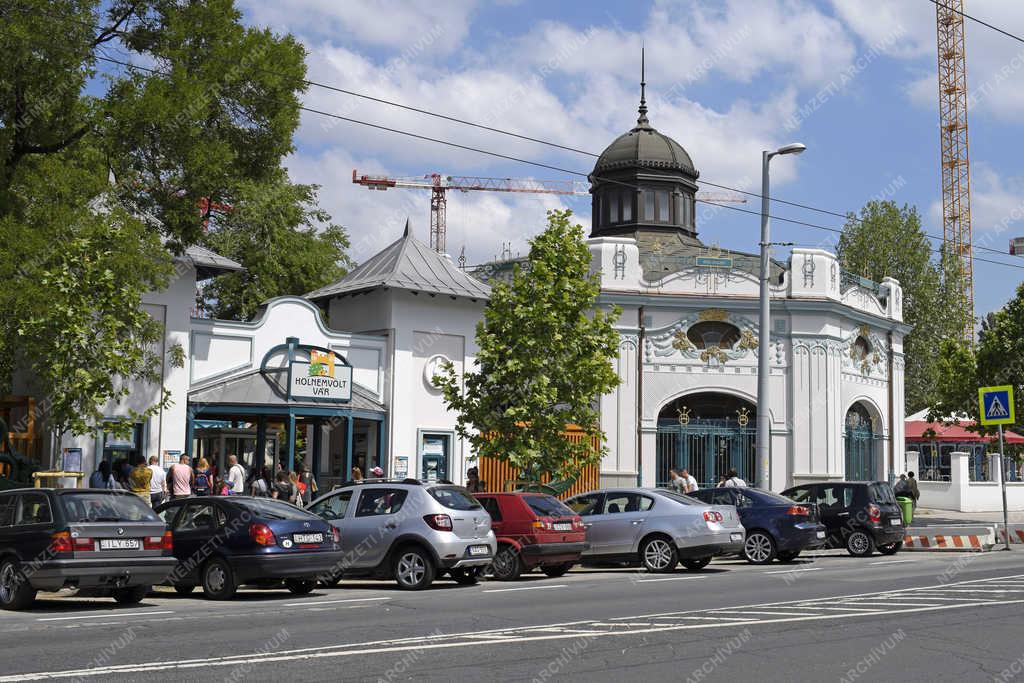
column 953, row 433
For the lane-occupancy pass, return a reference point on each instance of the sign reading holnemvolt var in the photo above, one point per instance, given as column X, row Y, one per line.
column 321, row 378
column 995, row 405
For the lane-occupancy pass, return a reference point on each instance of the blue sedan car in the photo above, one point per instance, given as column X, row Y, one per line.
column 222, row 542
column 777, row 527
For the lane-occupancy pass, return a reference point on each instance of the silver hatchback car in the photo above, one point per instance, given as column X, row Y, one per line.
column 409, row 530
column 655, row 527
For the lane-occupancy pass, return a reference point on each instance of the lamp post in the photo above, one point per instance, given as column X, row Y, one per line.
column 764, row 427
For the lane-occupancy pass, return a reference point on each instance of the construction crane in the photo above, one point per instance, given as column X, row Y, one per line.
column 956, row 177
column 439, row 184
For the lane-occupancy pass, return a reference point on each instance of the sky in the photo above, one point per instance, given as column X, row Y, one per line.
column 854, row 80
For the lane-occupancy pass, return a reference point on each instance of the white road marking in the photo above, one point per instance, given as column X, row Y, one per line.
column 106, row 615
column 330, row 602
column 891, row 562
column 796, row 571
column 670, row 578
column 524, row 588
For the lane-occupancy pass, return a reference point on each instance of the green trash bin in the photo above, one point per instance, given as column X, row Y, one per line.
column 907, row 505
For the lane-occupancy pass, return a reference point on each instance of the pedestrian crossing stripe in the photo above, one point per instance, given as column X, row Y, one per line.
column 995, row 405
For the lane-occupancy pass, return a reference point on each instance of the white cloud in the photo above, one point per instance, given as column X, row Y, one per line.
column 997, row 208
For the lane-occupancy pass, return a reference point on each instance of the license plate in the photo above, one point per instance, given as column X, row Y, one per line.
column 736, row 537
column 563, row 526
column 308, row 538
column 120, row 544
column 479, row 550
column 895, row 522
column 821, row 534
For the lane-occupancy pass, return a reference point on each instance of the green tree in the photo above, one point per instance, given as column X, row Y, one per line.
column 885, row 240
column 286, row 243
column 544, row 359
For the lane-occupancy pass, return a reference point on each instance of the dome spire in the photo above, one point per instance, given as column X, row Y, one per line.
column 642, row 121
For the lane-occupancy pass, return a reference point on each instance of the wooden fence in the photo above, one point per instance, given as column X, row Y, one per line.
column 500, row 476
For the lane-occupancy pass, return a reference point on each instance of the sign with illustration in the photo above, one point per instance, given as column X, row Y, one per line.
column 321, row 377
column 996, row 405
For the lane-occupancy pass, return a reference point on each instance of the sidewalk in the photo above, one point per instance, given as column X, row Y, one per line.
column 924, row 517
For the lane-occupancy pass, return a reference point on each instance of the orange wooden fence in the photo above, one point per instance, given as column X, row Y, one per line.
column 500, row 476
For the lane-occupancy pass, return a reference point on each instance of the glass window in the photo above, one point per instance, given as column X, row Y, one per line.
column 334, row 507
column 380, row 502
column 584, row 504
column 627, row 207
column 269, row 508
column 548, row 506
column 195, row 517
column 743, row 501
column 599, row 201
column 35, row 509
column 454, row 498
column 801, row 495
column 7, row 510
column 836, row 496
column 663, row 213
column 722, row 498
column 688, row 499
column 626, row 502
column 710, row 333
column 168, row 513
column 613, row 208
column 648, row 196
column 96, row 506
column 881, row 493
column 493, row 509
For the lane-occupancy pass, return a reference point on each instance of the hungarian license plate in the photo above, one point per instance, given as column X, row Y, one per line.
column 120, row 544
column 895, row 522
column 563, row 526
column 821, row 534
column 308, row 538
column 479, row 550
column 736, row 537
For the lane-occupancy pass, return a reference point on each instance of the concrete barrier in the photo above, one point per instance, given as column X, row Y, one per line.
column 951, row 538
column 1016, row 534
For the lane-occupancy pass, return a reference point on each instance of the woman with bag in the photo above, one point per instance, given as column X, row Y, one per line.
column 204, row 477
column 261, row 485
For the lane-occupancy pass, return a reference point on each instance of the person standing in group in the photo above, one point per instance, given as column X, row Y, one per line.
column 101, row 478
column 675, row 482
column 261, row 486
column 180, row 478
column 236, row 476
column 732, row 480
column 689, row 483
column 203, row 477
column 139, row 478
column 157, row 482
column 283, row 489
column 308, row 483
column 915, row 492
column 357, row 475
column 220, row 487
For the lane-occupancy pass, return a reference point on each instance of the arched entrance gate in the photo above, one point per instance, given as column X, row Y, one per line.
column 861, row 445
column 707, row 434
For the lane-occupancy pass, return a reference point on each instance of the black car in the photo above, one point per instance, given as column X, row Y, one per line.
column 776, row 527
column 101, row 542
column 861, row 516
column 222, row 542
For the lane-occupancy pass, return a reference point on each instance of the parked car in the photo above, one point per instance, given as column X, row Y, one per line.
column 223, row 542
column 101, row 542
column 776, row 527
column 655, row 527
column 409, row 530
column 858, row 515
column 533, row 530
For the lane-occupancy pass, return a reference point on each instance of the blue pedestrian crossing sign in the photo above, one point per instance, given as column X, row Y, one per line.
column 996, row 405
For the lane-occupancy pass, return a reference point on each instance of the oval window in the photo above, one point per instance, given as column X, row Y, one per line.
column 713, row 333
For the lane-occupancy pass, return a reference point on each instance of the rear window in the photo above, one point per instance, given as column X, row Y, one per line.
column 94, row 506
column 881, row 493
column 769, row 497
column 548, row 506
column 272, row 509
column 680, row 498
column 454, row 498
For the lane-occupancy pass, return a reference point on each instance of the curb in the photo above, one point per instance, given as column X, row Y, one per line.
column 951, row 538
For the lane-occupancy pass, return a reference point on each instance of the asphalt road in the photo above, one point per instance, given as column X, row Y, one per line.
column 913, row 617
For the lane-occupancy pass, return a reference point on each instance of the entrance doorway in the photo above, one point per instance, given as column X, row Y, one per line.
column 861, row 445
column 708, row 434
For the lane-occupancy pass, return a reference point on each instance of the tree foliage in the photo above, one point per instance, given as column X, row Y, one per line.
column 544, row 359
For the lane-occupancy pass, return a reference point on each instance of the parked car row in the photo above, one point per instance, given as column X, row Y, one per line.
column 110, row 543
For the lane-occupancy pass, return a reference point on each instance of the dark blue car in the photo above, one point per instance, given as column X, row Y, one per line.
column 776, row 527
column 222, row 542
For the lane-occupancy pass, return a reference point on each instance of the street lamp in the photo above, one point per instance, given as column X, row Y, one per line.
column 764, row 427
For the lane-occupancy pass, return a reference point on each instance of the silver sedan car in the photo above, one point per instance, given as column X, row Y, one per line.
column 655, row 527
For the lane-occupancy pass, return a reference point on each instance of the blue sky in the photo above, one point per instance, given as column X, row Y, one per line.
column 855, row 80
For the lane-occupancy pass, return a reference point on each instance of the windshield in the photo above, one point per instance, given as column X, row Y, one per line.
column 680, row 498
column 95, row 506
column 454, row 498
column 548, row 506
column 272, row 509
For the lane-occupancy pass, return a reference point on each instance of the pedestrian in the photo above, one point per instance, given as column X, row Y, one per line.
column 675, row 482
column 902, row 487
column 690, row 484
column 203, row 477
column 236, row 476
column 139, row 478
column 283, row 489
column 377, row 472
column 732, row 480
column 157, row 483
column 220, row 487
column 473, row 482
column 261, row 485
column 101, row 478
column 181, row 478
column 357, row 475
column 293, row 478
column 915, row 492
column 307, row 483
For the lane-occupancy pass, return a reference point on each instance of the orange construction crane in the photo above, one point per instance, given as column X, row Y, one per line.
column 956, row 176
column 439, row 184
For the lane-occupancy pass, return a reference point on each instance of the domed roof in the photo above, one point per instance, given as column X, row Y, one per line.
column 645, row 147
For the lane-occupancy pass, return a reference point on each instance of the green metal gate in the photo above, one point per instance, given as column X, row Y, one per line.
column 707, row 448
column 860, row 445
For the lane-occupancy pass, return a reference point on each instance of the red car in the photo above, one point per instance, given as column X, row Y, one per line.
column 533, row 530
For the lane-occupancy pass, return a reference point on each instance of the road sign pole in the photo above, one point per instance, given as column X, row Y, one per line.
column 1002, row 482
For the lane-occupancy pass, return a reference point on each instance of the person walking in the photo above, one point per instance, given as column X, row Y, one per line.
column 138, row 480
column 676, row 482
column 732, row 480
column 236, row 476
column 261, row 485
column 307, row 485
column 180, row 478
column 102, row 478
column 915, row 492
column 203, row 477
column 689, row 483
column 473, row 482
column 283, row 489
column 157, row 483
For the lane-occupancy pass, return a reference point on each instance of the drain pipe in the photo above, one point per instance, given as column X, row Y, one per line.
column 640, row 394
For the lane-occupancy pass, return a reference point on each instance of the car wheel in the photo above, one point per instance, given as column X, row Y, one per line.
column 696, row 563
column 15, row 591
column 130, row 596
column 507, row 565
column 556, row 570
column 859, row 544
column 788, row 555
column 218, row 580
column 890, row 548
column 414, row 569
column 467, row 577
column 759, row 548
column 300, row 586
column 658, row 555
column 184, row 589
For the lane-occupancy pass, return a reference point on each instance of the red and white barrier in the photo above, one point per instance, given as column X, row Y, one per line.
column 950, row 538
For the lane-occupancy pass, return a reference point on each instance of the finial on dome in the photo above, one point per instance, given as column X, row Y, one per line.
column 642, row 119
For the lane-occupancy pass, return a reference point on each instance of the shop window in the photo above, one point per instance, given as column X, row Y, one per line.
column 711, row 333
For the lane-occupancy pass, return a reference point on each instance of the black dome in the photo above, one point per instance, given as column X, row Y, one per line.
column 645, row 147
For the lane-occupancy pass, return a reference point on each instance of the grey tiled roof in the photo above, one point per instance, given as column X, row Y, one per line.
column 407, row 264
column 271, row 389
column 209, row 263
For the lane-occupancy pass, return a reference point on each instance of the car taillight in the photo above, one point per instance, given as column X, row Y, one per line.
column 543, row 524
column 165, row 542
column 60, row 542
column 577, row 522
column 261, row 534
column 798, row 510
column 336, row 534
column 874, row 513
column 439, row 522
column 713, row 516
